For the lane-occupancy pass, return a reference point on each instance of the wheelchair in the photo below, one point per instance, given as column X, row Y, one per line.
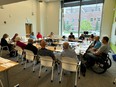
column 102, row 64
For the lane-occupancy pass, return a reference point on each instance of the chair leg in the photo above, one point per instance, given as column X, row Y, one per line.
column 25, row 64
column 8, row 49
column 1, row 83
column 114, row 82
column 18, row 58
column 61, row 75
column 40, row 70
column 76, row 79
column 22, row 60
column 52, row 73
column 59, row 67
column 33, row 66
column 79, row 72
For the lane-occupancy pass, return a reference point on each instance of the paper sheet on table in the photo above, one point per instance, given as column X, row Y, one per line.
column 7, row 65
column 2, row 60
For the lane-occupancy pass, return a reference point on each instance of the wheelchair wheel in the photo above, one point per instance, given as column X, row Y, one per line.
column 109, row 62
column 98, row 68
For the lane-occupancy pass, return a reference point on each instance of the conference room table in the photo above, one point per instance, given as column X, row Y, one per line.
column 79, row 46
column 5, row 65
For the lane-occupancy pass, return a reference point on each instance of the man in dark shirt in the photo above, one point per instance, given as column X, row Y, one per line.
column 5, row 43
column 71, row 37
column 82, row 37
column 30, row 46
column 45, row 52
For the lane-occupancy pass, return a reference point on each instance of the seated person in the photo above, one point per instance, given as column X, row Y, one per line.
column 50, row 39
column 91, row 38
column 96, row 55
column 45, row 52
column 51, row 35
column 67, row 51
column 14, row 37
column 32, row 36
column 95, row 45
column 82, row 37
column 31, row 47
column 71, row 37
column 64, row 38
column 19, row 43
column 5, row 43
column 39, row 35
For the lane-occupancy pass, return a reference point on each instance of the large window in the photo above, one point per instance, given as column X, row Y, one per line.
column 70, row 20
column 80, row 18
column 91, row 16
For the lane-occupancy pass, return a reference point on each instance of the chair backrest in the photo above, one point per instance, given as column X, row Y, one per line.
column 2, row 47
column 69, row 64
column 19, row 50
column 29, row 55
column 46, row 61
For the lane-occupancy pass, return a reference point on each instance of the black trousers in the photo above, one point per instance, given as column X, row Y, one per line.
column 90, row 58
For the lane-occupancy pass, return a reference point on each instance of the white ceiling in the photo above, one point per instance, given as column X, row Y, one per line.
column 3, row 2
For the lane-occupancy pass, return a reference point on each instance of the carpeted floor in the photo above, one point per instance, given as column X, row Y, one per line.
column 26, row 78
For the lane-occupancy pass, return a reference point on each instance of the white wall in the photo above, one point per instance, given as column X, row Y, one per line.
column 16, row 15
column 107, row 19
column 49, row 17
column 43, row 18
column 53, row 9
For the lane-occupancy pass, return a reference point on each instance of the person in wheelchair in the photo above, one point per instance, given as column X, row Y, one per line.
column 96, row 55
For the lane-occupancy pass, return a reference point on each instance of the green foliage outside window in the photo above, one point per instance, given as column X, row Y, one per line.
column 85, row 25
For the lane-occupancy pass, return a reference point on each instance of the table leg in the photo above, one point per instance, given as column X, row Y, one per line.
column 6, row 78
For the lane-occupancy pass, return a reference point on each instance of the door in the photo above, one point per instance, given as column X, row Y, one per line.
column 28, row 29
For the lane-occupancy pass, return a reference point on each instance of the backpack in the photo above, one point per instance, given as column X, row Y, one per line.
column 114, row 57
